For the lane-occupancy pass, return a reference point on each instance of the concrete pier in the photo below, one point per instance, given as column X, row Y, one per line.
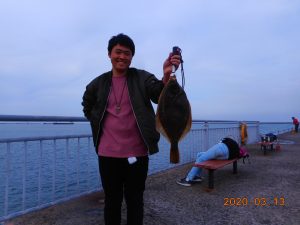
column 267, row 191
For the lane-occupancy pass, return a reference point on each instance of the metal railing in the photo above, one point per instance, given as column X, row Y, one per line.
column 40, row 171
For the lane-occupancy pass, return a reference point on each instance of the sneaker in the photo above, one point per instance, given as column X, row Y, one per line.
column 197, row 179
column 185, row 183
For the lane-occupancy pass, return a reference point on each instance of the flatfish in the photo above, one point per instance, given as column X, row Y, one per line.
column 173, row 116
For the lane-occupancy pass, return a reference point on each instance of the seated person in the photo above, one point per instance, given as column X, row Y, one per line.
column 227, row 148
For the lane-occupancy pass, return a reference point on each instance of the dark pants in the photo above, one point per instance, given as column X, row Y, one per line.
column 119, row 177
column 296, row 128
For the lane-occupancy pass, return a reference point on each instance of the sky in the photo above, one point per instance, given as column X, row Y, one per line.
column 241, row 57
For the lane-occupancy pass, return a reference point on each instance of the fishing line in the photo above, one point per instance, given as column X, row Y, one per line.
column 182, row 74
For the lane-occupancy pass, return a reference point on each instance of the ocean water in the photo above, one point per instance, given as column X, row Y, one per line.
column 36, row 129
column 30, row 129
column 276, row 128
column 64, row 168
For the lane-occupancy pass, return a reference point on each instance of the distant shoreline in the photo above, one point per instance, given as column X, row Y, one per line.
column 30, row 118
column 59, row 123
column 16, row 118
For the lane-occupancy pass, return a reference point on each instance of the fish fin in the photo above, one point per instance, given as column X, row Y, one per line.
column 174, row 153
column 188, row 126
column 160, row 128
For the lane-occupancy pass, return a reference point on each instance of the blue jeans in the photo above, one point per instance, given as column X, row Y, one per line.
column 218, row 151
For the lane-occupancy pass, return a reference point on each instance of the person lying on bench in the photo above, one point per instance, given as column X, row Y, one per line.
column 227, row 148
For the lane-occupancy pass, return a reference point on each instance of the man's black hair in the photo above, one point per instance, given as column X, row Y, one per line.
column 123, row 40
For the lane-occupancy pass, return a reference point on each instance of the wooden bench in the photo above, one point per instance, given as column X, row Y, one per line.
column 212, row 165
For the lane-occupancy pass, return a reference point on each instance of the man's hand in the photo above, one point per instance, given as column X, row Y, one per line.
column 171, row 60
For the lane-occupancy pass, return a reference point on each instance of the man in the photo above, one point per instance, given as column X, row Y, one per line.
column 227, row 148
column 118, row 106
column 296, row 123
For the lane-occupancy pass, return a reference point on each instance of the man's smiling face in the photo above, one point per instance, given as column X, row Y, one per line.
column 120, row 57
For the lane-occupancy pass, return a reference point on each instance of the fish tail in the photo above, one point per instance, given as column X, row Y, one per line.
column 174, row 153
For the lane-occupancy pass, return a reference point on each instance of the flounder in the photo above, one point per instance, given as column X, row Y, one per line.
column 173, row 116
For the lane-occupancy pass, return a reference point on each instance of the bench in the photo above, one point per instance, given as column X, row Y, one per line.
column 265, row 145
column 214, row 164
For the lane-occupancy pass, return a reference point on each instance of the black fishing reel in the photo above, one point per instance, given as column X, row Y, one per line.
column 177, row 51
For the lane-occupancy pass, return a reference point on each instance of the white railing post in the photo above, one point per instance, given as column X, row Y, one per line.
column 77, row 163
column 54, row 171
column 88, row 163
column 40, row 172
column 206, row 136
column 65, row 169
column 7, row 178
column 24, row 176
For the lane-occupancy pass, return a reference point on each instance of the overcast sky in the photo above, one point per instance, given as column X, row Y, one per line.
column 241, row 58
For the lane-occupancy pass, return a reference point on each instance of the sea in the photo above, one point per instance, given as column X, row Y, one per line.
column 77, row 162
column 40, row 129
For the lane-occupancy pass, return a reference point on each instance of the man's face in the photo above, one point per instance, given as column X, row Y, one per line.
column 120, row 57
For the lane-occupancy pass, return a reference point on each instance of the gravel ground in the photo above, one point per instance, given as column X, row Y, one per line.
column 269, row 178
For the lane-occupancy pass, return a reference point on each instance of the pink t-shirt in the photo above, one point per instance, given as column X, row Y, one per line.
column 120, row 137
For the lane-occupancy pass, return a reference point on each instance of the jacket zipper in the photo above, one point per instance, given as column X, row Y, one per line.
column 98, row 133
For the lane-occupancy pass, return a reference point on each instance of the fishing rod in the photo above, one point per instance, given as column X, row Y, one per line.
column 177, row 51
